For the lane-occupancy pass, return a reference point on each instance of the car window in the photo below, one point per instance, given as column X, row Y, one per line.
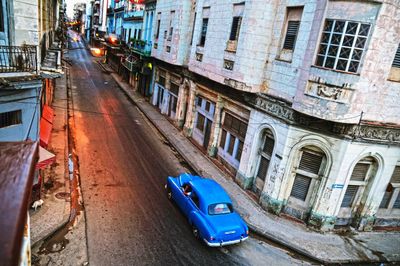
column 195, row 199
column 220, row 208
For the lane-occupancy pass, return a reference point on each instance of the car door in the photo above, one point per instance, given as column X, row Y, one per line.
column 181, row 199
column 192, row 203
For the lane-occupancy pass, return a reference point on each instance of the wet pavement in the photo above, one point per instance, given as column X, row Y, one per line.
column 123, row 165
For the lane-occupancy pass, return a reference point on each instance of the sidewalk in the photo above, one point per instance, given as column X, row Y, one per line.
column 55, row 210
column 326, row 248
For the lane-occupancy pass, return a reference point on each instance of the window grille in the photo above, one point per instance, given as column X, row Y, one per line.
column 359, row 172
column 200, row 122
column 301, row 186
column 228, row 64
column 395, row 188
column 396, row 61
column 263, row 168
column 10, row 118
column 291, row 35
column 349, row 196
column 306, row 173
column 174, row 88
column 236, row 22
column 310, row 162
column 158, row 29
column 342, row 45
column 203, row 32
column 358, row 179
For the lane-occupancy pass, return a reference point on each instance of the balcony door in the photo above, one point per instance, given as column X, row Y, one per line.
column 3, row 23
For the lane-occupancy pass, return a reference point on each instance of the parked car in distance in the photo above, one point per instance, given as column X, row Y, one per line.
column 208, row 208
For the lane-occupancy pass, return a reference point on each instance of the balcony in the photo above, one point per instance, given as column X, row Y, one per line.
column 141, row 47
column 134, row 15
column 131, row 62
column 18, row 59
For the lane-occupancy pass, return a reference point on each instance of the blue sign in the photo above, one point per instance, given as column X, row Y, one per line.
column 338, row 186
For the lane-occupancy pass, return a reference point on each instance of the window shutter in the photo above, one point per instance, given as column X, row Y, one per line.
column 396, row 61
column 263, row 168
column 385, row 200
column 349, row 196
column 235, row 28
column 310, row 162
column 291, row 34
column 223, row 138
column 359, row 172
column 396, row 204
column 268, row 145
column 396, row 175
column 300, row 187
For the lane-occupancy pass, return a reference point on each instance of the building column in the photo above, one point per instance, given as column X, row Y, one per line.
column 216, row 129
column 182, row 104
column 191, row 110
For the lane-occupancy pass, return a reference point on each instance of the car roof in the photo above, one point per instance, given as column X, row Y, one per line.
column 209, row 191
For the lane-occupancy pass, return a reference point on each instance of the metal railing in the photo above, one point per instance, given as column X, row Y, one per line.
column 142, row 47
column 18, row 58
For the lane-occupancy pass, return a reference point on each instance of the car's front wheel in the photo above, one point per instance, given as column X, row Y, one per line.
column 195, row 232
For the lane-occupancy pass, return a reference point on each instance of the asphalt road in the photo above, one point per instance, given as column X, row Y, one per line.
column 123, row 164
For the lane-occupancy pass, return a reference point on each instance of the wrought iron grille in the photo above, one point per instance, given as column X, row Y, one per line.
column 18, row 58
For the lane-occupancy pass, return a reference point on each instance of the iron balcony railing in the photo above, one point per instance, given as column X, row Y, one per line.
column 141, row 47
column 18, row 58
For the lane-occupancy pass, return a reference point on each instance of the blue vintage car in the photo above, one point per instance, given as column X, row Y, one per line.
column 208, row 209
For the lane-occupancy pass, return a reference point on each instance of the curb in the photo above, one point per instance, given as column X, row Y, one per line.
column 66, row 217
column 253, row 228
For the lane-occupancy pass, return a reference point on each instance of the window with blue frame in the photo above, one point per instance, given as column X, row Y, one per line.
column 232, row 138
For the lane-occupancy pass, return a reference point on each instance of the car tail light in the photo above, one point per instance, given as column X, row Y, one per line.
column 247, row 231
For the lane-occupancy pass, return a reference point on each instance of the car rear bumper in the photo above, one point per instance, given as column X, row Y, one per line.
column 222, row 243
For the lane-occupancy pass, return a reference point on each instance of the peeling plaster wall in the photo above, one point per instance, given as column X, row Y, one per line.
column 252, row 46
column 180, row 41
column 344, row 155
column 369, row 91
column 26, row 22
column 30, row 113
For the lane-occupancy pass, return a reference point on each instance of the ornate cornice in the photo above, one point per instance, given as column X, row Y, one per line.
column 362, row 133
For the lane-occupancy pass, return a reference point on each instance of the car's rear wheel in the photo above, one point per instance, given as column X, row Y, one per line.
column 195, row 232
column 169, row 192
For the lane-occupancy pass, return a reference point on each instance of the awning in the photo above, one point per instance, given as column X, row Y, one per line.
column 48, row 113
column 45, row 132
column 45, row 158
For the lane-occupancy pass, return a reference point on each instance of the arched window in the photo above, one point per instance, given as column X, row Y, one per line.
column 265, row 155
column 307, row 174
column 391, row 198
column 360, row 176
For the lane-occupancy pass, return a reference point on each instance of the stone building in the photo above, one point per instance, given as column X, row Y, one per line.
column 298, row 100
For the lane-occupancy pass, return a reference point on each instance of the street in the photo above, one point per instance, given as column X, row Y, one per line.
column 123, row 166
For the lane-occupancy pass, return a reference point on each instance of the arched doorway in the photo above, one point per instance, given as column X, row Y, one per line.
column 308, row 170
column 357, row 190
column 264, row 160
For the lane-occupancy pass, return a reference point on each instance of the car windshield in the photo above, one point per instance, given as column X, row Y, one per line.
column 220, row 208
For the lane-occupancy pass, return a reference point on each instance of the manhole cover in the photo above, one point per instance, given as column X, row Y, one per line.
column 62, row 195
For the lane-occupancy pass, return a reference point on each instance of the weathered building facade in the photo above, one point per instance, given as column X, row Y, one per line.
column 297, row 99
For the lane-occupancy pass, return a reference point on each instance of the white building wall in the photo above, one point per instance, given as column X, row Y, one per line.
column 178, row 45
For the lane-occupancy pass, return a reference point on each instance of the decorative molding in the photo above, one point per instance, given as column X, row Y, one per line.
column 369, row 133
column 363, row 132
column 236, row 84
column 320, row 88
column 228, row 64
column 199, row 57
column 275, row 108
